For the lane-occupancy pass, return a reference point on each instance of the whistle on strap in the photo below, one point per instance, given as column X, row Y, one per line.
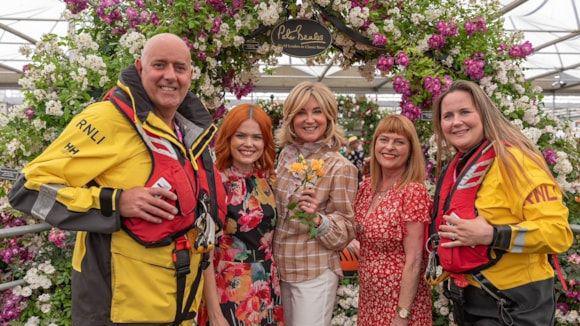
column 206, row 226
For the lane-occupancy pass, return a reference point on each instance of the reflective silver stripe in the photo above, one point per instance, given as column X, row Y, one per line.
column 470, row 174
column 519, row 241
column 45, row 200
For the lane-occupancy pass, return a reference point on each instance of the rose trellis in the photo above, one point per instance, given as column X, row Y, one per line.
column 420, row 45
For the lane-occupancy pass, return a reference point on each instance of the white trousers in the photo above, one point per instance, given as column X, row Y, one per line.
column 310, row 303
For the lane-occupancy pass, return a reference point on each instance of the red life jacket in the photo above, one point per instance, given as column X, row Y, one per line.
column 175, row 171
column 456, row 194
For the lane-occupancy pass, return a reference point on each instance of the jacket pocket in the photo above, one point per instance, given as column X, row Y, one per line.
column 143, row 282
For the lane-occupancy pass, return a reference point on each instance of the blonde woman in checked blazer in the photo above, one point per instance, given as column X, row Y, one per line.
column 309, row 267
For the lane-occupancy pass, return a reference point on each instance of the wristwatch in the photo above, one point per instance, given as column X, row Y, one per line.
column 404, row 313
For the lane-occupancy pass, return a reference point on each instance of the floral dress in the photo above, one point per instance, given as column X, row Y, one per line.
column 246, row 278
column 382, row 257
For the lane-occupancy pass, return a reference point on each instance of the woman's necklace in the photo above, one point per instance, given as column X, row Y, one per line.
column 378, row 196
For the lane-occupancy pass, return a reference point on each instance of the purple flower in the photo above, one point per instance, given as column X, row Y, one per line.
column 385, row 63
column 447, row 29
column 476, row 25
column 410, row 110
column 57, row 237
column 217, row 23
column 563, row 307
column 432, row 85
column 154, row 20
column 447, row 81
column 436, row 41
column 140, row 3
column 527, row 48
column 132, row 13
column 201, row 55
column 521, row 50
column 115, row 15
column 474, row 68
column 502, row 47
column 515, row 52
column 132, row 16
column 188, row 43
column 76, row 6
column 237, row 5
column 480, row 24
column 402, row 86
column 144, row 16
column 29, row 113
column 219, row 112
column 243, row 90
column 470, row 28
column 228, row 79
column 10, row 306
column 118, row 31
column 218, row 5
column 572, row 294
column 379, row 40
column 402, row 59
column 550, row 156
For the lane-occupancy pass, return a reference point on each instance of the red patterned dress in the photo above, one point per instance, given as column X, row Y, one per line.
column 382, row 257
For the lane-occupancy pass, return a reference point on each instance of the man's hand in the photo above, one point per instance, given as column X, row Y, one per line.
column 465, row 232
column 148, row 204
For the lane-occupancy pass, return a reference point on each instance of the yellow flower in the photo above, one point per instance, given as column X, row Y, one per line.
column 297, row 167
column 318, row 167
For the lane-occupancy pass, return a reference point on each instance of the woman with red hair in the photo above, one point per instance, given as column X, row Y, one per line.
column 244, row 289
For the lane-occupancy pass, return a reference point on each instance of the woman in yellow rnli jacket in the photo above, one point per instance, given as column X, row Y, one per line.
column 517, row 216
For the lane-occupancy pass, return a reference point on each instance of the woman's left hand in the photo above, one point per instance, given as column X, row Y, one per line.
column 465, row 232
column 308, row 202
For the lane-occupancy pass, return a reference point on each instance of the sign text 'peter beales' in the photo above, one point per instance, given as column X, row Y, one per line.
column 301, row 37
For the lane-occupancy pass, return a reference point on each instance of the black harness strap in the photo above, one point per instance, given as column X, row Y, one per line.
column 182, row 314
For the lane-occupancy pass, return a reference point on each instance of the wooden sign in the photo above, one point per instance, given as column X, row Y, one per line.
column 301, row 37
column 8, row 174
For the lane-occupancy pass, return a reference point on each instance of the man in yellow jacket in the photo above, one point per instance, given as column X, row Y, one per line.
column 134, row 176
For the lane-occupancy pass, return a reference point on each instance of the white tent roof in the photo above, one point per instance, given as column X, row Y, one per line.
column 553, row 27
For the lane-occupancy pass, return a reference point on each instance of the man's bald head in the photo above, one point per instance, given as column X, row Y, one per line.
column 164, row 40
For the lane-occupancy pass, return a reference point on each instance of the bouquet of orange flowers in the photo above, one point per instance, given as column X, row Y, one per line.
column 308, row 171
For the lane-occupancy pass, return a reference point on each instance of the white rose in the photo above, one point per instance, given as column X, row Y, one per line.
column 26, row 292
column 372, row 29
column 518, row 123
column 238, row 40
column 32, row 321
column 417, row 18
column 45, row 297
column 533, row 134
column 45, row 308
column 17, row 290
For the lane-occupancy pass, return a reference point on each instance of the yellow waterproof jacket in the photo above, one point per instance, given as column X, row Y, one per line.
column 115, row 279
column 531, row 222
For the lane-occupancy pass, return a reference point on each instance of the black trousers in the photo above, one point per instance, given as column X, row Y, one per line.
column 532, row 304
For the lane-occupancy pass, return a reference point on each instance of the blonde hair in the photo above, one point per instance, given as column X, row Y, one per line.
column 296, row 100
column 415, row 166
column 496, row 128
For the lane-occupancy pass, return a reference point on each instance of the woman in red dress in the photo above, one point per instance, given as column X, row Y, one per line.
column 392, row 209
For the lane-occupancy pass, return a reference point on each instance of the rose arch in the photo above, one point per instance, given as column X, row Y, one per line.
column 420, row 46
